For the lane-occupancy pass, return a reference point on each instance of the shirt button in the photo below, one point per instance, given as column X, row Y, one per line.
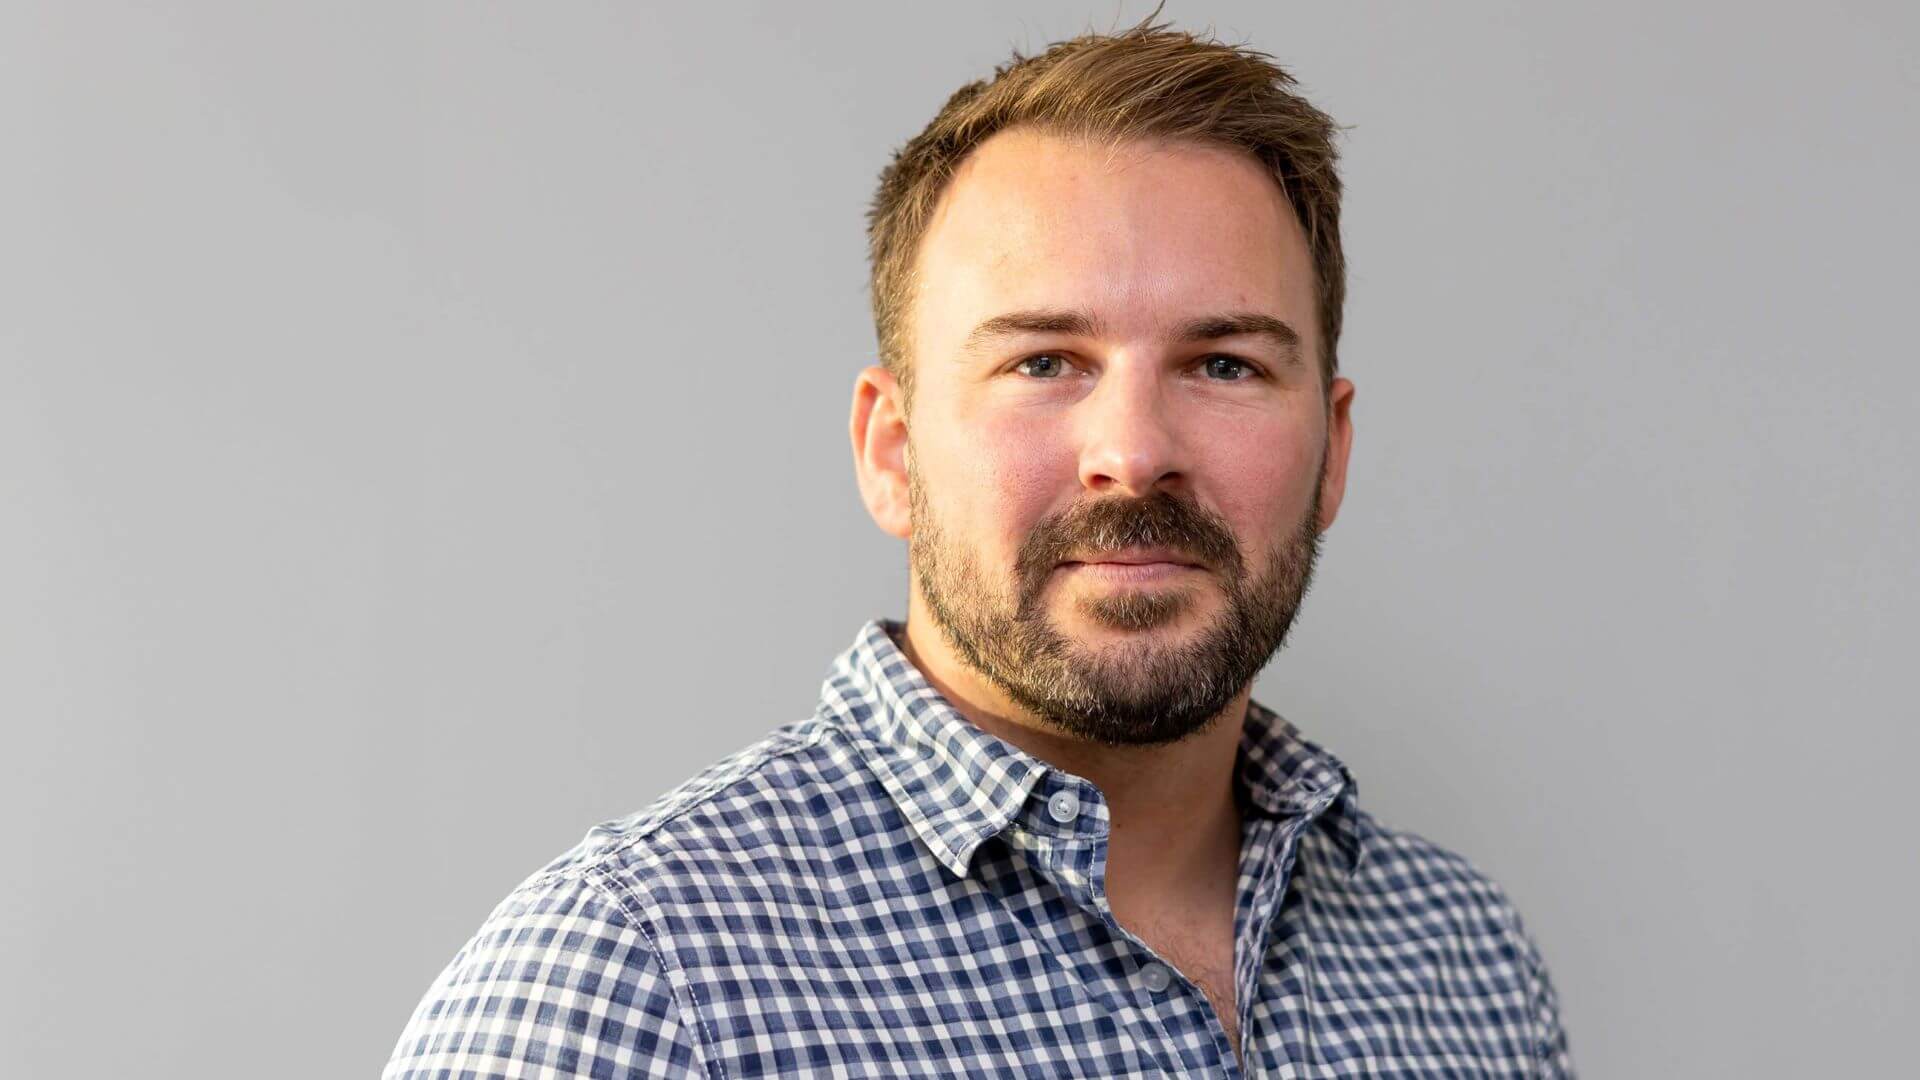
column 1063, row 807
column 1155, row 977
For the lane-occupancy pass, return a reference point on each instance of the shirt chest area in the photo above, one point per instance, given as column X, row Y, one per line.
column 902, row 968
column 997, row 974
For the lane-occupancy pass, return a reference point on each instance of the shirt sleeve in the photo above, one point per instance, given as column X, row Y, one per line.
column 558, row 978
column 1556, row 1063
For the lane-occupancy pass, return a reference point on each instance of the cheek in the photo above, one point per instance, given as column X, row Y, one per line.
column 997, row 477
column 1023, row 465
column 1263, row 493
column 1018, row 478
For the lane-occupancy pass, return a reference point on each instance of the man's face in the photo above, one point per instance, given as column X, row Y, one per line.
column 1118, row 434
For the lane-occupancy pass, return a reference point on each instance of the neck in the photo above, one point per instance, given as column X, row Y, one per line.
column 1174, row 825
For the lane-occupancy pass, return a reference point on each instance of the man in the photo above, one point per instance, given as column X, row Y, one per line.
column 1040, row 828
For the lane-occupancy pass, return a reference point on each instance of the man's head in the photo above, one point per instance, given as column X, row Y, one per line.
column 1148, row 83
column 1107, row 287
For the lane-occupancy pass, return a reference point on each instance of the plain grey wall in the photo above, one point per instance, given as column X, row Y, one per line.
column 422, row 435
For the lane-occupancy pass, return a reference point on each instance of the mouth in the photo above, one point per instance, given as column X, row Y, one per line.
column 1133, row 567
column 1143, row 557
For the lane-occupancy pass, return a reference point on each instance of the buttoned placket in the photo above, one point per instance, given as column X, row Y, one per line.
column 1078, row 859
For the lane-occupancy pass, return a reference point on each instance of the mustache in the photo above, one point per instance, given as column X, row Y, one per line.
column 1159, row 520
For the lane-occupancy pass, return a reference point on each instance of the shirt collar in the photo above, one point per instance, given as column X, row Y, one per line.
column 959, row 786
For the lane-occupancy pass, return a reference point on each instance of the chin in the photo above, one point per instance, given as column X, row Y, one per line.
column 1190, row 619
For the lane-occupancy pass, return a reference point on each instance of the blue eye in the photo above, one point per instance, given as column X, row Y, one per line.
column 1047, row 364
column 1236, row 363
column 1223, row 368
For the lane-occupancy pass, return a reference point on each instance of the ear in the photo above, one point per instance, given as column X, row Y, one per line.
column 1333, row 475
column 879, row 431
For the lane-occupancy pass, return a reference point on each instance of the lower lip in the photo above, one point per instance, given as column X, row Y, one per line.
column 1130, row 573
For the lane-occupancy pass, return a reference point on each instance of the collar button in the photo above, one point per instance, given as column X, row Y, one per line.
column 1063, row 807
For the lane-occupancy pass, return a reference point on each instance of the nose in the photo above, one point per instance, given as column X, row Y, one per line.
column 1129, row 445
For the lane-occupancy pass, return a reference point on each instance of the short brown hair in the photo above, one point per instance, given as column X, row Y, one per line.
column 1149, row 82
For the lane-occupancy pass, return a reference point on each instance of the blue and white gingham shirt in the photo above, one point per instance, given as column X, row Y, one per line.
column 886, row 890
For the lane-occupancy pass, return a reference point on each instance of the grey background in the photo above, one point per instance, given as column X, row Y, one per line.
column 422, row 435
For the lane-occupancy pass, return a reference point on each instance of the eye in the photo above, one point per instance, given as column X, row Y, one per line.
column 1043, row 365
column 1232, row 368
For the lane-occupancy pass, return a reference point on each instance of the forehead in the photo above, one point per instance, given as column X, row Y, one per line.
column 1143, row 234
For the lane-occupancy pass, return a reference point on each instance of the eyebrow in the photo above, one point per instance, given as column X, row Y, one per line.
column 1239, row 324
column 1075, row 323
column 1085, row 324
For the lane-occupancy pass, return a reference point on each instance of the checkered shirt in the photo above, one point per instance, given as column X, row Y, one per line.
column 885, row 890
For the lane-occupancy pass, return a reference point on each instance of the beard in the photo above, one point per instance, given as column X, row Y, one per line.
column 1142, row 691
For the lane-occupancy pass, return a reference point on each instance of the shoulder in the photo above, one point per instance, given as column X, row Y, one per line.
column 1413, row 869
column 1408, row 886
column 772, row 829
column 574, row 961
column 801, row 787
column 557, row 977
column 1426, row 898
